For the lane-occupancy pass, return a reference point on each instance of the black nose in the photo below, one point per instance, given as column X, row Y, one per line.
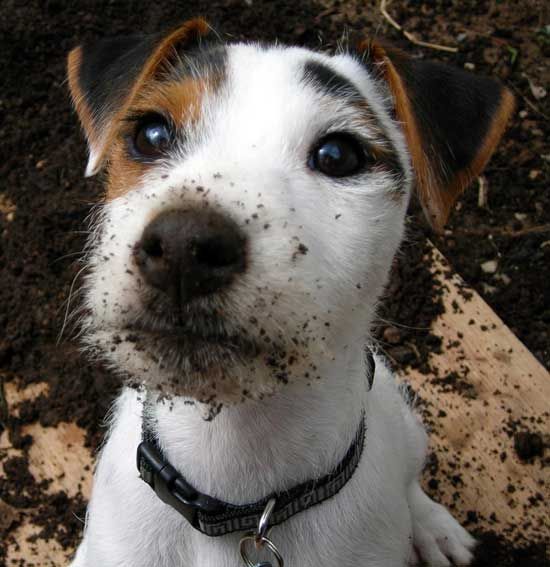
column 190, row 253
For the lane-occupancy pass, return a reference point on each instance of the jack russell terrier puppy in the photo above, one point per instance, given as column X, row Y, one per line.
column 255, row 197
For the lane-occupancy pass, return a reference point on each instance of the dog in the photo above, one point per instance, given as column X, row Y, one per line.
column 255, row 197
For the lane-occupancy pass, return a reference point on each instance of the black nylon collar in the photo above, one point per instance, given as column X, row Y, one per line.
column 214, row 517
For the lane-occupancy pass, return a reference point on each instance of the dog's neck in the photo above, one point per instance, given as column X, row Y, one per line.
column 253, row 449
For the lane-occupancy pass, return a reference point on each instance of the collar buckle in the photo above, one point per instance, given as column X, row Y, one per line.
column 167, row 483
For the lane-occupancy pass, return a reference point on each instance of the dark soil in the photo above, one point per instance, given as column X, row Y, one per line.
column 44, row 201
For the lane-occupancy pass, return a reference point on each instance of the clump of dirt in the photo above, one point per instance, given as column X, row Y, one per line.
column 44, row 201
column 528, row 445
column 495, row 550
column 55, row 513
column 413, row 299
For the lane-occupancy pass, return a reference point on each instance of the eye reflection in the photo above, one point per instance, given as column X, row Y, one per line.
column 152, row 137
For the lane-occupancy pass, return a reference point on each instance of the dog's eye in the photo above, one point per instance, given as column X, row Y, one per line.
column 338, row 155
column 152, row 137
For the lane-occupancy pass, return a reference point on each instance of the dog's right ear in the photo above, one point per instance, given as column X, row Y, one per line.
column 104, row 78
column 452, row 122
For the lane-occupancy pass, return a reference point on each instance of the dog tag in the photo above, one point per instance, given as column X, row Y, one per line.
column 252, row 537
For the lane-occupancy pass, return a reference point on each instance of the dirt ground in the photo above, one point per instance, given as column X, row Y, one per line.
column 498, row 238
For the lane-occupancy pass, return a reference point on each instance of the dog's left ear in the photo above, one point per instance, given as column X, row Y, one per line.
column 452, row 122
column 104, row 78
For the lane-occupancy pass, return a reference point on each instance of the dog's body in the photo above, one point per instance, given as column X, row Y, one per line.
column 253, row 318
column 255, row 449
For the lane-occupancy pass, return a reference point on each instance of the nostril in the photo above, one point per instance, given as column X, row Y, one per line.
column 152, row 246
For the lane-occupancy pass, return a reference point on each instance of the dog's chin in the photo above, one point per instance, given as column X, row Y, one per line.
column 210, row 369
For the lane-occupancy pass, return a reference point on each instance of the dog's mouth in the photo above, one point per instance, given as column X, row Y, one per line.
column 203, row 349
column 204, row 366
column 188, row 327
column 181, row 342
column 196, row 341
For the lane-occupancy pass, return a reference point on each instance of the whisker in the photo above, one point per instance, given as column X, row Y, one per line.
column 65, row 319
column 396, row 324
column 70, row 255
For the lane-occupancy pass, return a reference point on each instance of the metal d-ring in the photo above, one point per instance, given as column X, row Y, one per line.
column 260, row 539
column 263, row 524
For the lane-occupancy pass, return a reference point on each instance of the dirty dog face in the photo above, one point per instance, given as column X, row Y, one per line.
column 255, row 197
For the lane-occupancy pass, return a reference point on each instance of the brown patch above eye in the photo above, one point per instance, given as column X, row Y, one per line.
column 124, row 173
column 386, row 158
column 382, row 148
column 180, row 100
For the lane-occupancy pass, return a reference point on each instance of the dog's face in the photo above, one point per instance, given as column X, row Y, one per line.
column 255, row 198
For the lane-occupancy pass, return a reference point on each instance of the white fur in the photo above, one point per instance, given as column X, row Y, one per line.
column 249, row 149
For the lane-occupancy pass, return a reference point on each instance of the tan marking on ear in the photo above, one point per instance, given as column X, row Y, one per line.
column 436, row 195
column 430, row 197
column 74, row 61
column 464, row 177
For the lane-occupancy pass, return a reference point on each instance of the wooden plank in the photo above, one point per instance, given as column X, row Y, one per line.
column 502, row 389
column 502, row 384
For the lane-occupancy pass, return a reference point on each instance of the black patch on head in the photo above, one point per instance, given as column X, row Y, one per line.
column 329, row 82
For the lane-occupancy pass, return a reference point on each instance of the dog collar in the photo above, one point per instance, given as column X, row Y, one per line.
column 214, row 517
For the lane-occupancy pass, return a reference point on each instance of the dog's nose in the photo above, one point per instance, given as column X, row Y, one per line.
column 190, row 253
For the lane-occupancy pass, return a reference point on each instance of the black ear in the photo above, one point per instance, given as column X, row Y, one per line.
column 103, row 78
column 452, row 121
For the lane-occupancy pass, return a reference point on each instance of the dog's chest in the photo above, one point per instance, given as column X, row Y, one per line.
column 375, row 522
column 316, row 539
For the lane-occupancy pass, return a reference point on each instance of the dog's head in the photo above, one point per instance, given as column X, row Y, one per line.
column 255, row 198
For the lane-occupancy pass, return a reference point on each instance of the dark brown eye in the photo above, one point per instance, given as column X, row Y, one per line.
column 152, row 138
column 338, row 155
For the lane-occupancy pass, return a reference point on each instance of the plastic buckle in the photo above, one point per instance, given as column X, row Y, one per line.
column 167, row 483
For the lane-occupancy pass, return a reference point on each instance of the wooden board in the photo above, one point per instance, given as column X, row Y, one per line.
column 503, row 389
column 477, row 463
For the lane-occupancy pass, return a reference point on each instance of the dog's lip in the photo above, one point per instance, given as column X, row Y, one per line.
column 187, row 338
column 177, row 332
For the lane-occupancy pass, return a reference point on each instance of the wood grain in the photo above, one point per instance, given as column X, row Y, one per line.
column 503, row 389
